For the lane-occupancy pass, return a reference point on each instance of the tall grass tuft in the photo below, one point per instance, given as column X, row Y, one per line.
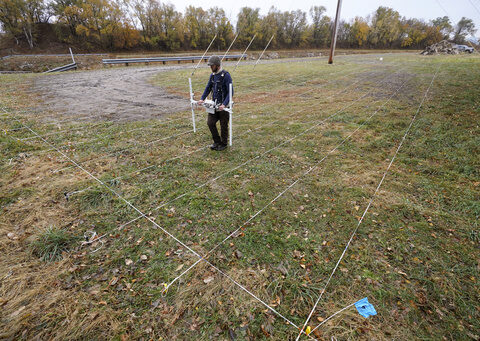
column 51, row 244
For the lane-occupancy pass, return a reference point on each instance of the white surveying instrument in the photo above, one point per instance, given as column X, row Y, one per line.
column 210, row 107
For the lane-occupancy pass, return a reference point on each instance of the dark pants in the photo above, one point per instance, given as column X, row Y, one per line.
column 223, row 117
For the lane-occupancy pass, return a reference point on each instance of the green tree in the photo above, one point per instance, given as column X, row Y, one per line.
column 359, row 32
column 248, row 23
column 67, row 13
column 222, row 27
column 386, row 28
column 320, row 28
column 10, row 18
column 444, row 26
column 419, row 34
column 269, row 26
column 19, row 18
column 294, row 28
column 463, row 28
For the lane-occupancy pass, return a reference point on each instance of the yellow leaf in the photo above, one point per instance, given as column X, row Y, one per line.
column 308, row 330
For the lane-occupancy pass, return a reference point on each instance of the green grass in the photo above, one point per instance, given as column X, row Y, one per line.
column 415, row 256
column 52, row 244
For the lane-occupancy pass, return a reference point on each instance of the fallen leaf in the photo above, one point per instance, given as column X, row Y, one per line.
column 208, row 279
column 297, row 254
column 12, row 236
column 128, row 262
column 16, row 313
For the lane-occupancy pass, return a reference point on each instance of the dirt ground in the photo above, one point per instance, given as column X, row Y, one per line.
column 112, row 94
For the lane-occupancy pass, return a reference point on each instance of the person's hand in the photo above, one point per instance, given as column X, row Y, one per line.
column 221, row 108
column 200, row 102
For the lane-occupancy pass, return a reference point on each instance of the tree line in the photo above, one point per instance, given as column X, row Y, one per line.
column 151, row 24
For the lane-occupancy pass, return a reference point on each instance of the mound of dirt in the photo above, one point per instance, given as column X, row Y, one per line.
column 443, row 47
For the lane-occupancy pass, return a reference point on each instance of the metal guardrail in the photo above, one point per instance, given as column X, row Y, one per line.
column 165, row 59
column 53, row 55
column 63, row 68
column 7, row 72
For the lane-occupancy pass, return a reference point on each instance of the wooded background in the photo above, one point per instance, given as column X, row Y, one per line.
column 116, row 25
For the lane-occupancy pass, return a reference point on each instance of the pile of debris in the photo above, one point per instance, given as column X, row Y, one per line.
column 443, row 47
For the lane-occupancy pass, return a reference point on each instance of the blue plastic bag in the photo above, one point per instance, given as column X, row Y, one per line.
column 365, row 308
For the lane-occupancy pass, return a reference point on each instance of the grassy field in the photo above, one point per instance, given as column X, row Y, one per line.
column 271, row 216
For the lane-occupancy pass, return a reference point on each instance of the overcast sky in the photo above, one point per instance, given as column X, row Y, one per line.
column 425, row 9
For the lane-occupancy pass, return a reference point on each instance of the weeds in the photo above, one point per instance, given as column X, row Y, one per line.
column 52, row 243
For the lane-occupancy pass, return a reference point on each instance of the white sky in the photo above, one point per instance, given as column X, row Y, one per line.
column 422, row 9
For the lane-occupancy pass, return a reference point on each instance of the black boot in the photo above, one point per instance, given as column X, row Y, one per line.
column 221, row 147
column 214, row 146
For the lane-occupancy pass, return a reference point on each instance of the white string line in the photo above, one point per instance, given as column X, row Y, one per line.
column 250, row 130
column 111, row 154
column 98, row 135
column 285, row 80
column 214, row 179
column 441, row 6
column 136, row 172
column 136, row 144
column 86, row 116
column 312, row 60
column 158, row 226
column 318, row 123
column 368, row 206
column 288, row 187
column 83, row 142
column 113, row 191
column 333, row 315
column 113, row 122
column 122, row 150
column 168, row 160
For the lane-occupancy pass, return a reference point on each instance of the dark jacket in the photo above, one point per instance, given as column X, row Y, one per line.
column 218, row 84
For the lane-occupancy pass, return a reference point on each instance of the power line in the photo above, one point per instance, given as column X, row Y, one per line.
column 443, row 8
column 475, row 6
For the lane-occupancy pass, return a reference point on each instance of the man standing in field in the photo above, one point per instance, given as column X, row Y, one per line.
column 218, row 84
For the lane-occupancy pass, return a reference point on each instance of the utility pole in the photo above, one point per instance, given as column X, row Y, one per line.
column 334, row 33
